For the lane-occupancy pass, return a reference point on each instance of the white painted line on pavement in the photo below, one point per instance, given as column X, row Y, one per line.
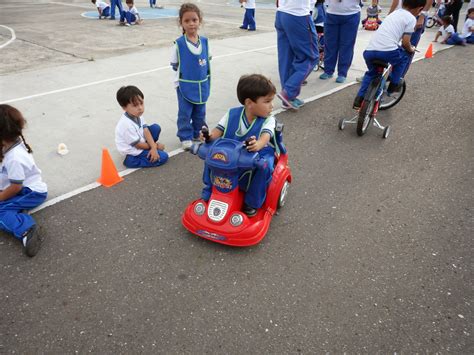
column 11, row 39
column 80, row 190
column 122, row 77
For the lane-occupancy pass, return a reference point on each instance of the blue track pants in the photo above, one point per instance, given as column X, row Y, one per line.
column 191, row 118
column 141, row 160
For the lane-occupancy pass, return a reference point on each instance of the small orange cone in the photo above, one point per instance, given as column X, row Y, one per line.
column 429, row 51
column 109, row 176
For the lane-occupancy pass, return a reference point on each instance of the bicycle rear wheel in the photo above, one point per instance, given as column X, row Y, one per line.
column 387, row 102
column 430, row 22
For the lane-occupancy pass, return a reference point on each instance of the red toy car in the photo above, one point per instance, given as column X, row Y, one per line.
column 220, row 219
column 372, row 24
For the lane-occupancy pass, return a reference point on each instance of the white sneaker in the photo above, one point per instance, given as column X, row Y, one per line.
column 186, row 145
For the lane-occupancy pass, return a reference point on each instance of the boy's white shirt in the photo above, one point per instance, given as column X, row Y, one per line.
column 465, row 29
column 174, row 57
column 445, row 32
column 249, row 4
column 268, row 126
column 134, row 11
column 127, row 132
column 294, row 7
column 101, row 5
column 19, row 166
column 343, row 7
column 388, row 36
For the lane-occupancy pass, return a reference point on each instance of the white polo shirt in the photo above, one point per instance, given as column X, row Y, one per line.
column 446, row 31
column 101, row 5
column 388, row 36
column 244, row 126
column 294, row 7
column 18, row 167
column 343, row 7
column 465, row 29
column 249, row 4
column 128, row 133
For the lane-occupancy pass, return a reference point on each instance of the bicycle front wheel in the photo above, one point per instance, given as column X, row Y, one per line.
column 430, row 22
column 387, row 101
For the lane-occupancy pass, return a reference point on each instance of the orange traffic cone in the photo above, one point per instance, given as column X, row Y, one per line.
column 109, row 176
column 429, row 51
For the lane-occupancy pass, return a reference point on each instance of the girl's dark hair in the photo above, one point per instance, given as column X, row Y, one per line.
column 254, row 86
column 189, row 7
column 11, row 126
column 129, row 94
column 447, row 19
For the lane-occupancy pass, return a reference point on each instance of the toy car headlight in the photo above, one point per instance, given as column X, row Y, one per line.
column 236, row 219
column 199, row 208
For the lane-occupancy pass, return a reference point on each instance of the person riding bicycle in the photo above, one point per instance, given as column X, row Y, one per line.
column 384, row 46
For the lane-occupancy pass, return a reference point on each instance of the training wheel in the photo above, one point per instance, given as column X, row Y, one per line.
column 386, row 132
column 341, row 124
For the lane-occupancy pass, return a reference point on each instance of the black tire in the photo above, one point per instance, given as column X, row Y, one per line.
column 341, row 124
column 430, row 22
column 386, row 132
column 283, row 194
column 367, row 107
column 385, row 103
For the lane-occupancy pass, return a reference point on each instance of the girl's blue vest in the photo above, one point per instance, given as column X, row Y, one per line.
column 194, row 71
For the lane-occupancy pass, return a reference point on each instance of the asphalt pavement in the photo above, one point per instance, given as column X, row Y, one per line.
column 371, row 254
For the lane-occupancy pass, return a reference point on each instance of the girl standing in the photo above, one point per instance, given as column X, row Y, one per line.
column 21, row 186
column 190, row 59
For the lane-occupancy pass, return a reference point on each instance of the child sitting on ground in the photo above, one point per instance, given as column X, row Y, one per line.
column 373, row 12
column 132, row 17
column 102, row 8
column 384, row 46
column 468, row 28
column 137, row 141
column 449, row 36
column 21, row 186
column 253, row 123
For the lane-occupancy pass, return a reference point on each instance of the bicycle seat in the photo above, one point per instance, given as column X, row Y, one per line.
column 380, row 63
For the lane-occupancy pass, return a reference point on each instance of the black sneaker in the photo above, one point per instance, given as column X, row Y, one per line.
column 249, row 211
column 395, row 87
column 357, row 102
column 31, row 241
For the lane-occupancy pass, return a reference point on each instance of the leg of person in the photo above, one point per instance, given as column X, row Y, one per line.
column 285, row 53
column 399, row 60
column 369, row 75
column 185, row 109
column 470, row 39
column 455, row 39
column 131, row 18
column 416, row 36
column 106, row 12
column 113, row 3
column 251, row 18
column 22, row 225
column 142, row 161
column 155, row 131
column 304, row 44
column 119, row 5
column 245, row 23
column 206, row 179
column 348, row 34
column 331, row 44
column 457, row 5
column 261, row 178
column 123, row 15
column 198, row 117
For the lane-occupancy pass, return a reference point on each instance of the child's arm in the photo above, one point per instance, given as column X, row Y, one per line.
column 406, row 44
column 256, row 145
column 437, row 36
column 10, row 191
column 152, row 146
column 100, row 12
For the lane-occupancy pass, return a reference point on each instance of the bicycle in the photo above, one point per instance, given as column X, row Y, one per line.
column 436, row 18
column 376, row 98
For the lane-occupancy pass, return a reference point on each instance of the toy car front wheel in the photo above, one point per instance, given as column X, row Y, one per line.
column 283, row 194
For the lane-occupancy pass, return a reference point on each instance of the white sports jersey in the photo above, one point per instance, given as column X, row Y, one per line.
column 18, row 167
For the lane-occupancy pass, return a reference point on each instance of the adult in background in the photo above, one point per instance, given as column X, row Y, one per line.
column 452, row 9
column 114, row 3
column 340, row 32
column 297, row 48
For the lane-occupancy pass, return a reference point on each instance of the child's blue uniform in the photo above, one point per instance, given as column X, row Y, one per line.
column 256, row 189
column 18, row 167
column 194, row 87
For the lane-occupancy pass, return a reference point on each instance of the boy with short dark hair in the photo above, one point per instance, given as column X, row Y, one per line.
column 134, row 139
column 253, row 123
column 384, row 46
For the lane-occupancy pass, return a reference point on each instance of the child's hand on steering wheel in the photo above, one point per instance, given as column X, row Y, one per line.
column 252, row 144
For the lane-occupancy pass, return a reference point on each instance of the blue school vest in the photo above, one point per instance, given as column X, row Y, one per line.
column 194, row 71
column 231, row 131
